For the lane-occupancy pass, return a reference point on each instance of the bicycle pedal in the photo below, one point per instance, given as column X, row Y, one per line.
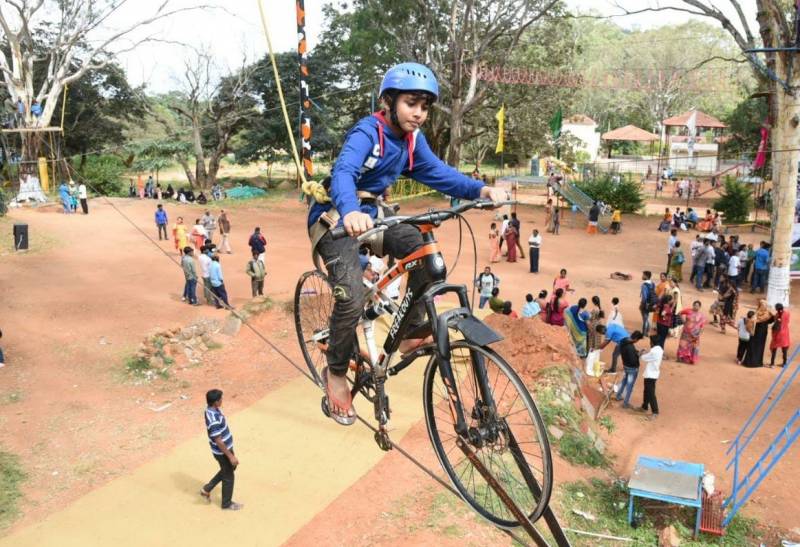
column 382, row 438
column 324, row 404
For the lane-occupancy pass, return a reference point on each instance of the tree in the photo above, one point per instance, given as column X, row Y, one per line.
column 776, row 27
column 263, row 135
column 735, row 201
column 214, row 109
column 79, row 42
column 453, row 37
column 99, row 108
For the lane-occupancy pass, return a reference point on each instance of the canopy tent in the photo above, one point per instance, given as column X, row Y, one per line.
column 629, row 133
column 702, row 120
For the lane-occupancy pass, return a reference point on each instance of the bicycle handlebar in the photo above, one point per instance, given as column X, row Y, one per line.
column 431, row 217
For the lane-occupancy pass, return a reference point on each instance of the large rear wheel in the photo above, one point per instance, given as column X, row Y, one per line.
column 313, row 305
column 505, row 432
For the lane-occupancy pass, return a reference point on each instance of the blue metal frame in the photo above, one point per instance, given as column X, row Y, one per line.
column 789, row 433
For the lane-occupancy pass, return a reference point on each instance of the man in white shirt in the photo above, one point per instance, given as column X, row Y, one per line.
column 534, row 243
column 734, row 264
column 205, row 264
column 673, row 238
column 652, row 369
column 83, row 197
column 486, row 282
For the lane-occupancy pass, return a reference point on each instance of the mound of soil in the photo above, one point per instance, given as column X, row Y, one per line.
column 531, row 345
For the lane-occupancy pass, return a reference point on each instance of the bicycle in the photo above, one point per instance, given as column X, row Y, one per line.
column 472, row 397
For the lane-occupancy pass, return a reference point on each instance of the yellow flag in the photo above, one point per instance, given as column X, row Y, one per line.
column 500, row 117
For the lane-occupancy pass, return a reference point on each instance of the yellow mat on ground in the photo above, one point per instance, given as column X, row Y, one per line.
column 294, row 463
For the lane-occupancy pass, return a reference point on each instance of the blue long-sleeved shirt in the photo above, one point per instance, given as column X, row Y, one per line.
column 215, row 273
column 360, row 166
column 161, row 216
column 762, row 259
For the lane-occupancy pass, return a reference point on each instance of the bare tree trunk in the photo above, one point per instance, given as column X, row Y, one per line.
column 785, row 144
column 187, row 170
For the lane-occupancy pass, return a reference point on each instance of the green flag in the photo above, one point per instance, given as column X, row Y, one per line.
column 555, row 124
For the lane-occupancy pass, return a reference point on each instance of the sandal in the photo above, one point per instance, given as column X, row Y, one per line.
column 422, row 342
column 345, row 406
column 206, row 495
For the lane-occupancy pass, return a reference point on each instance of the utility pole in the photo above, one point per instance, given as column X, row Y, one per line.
column 305, row 101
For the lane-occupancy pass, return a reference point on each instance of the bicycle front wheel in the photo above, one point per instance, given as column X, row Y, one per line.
column 506, row 433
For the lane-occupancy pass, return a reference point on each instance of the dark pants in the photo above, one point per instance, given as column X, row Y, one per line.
column 759, row 280
column 774, row 353
column 650, row 400
column 162, row 228
column 258, row 286
column 85, row 206
column 225, row 475
column 222, row 295
column 709, row 275
column 741, row 349
column 189, row 291
column 614, row 357
column 534, row 257
column 735, row 279
column 662, row 331
column 344, row 272
column 669, row 261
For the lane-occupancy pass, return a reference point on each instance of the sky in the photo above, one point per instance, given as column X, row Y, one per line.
column 233, row 28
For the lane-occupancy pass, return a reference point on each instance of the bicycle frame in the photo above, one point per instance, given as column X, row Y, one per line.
column 429, row 258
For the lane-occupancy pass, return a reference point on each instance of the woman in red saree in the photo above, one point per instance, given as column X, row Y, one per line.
column 780, row 334
column 693, row 322
column 511, row 236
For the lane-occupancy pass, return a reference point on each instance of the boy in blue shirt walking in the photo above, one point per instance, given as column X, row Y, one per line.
column 376, row 151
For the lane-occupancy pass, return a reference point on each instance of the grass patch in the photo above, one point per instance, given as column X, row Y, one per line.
column 11, row 477
column 607, row 423
column 579, row 449
column 210, row 345
column 137, row 366
column 558, row 411
column 11, row 397
column 608, row 502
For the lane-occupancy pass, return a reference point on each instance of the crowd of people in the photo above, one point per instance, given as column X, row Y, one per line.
column 196, row 244
column 71, row 194
column 150, row 189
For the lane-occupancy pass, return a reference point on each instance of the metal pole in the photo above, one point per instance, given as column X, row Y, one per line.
column 305, row 102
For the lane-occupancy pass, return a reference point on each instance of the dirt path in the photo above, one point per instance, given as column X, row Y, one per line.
column 70, row 315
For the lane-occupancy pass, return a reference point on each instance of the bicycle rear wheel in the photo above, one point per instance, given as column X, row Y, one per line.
column 313, row 305
column 507, row 435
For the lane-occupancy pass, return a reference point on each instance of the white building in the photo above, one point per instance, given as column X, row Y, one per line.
column 584, row 129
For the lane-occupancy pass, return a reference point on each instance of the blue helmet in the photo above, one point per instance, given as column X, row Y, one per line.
column 410, row 77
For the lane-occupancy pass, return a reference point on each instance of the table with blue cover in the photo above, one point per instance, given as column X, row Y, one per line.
column 669, row 481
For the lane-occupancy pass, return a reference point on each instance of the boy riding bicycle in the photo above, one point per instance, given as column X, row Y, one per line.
column 376, row 151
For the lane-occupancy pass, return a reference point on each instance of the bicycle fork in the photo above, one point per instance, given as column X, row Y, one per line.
column 378, row 372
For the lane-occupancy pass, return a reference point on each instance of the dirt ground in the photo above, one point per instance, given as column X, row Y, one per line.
column 72, row 311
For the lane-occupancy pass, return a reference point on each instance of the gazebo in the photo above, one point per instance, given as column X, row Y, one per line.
column 700, row 155
column 628, row 133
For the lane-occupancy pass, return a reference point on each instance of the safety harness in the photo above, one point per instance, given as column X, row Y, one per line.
column 318, row 193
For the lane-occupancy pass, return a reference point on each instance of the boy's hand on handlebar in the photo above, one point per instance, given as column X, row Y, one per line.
column 495, row 194
column 356, row 223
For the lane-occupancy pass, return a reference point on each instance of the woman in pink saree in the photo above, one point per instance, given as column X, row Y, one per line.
column 693, row 323
column 494, row 243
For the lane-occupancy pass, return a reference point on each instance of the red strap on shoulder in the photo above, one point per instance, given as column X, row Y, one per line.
column 410, row 138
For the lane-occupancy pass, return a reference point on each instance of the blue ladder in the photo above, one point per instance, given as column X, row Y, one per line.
column 744, row 488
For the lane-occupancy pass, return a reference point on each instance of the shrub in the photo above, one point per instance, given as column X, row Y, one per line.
column 104, row 174
column 735, row 201
column 625, row 195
